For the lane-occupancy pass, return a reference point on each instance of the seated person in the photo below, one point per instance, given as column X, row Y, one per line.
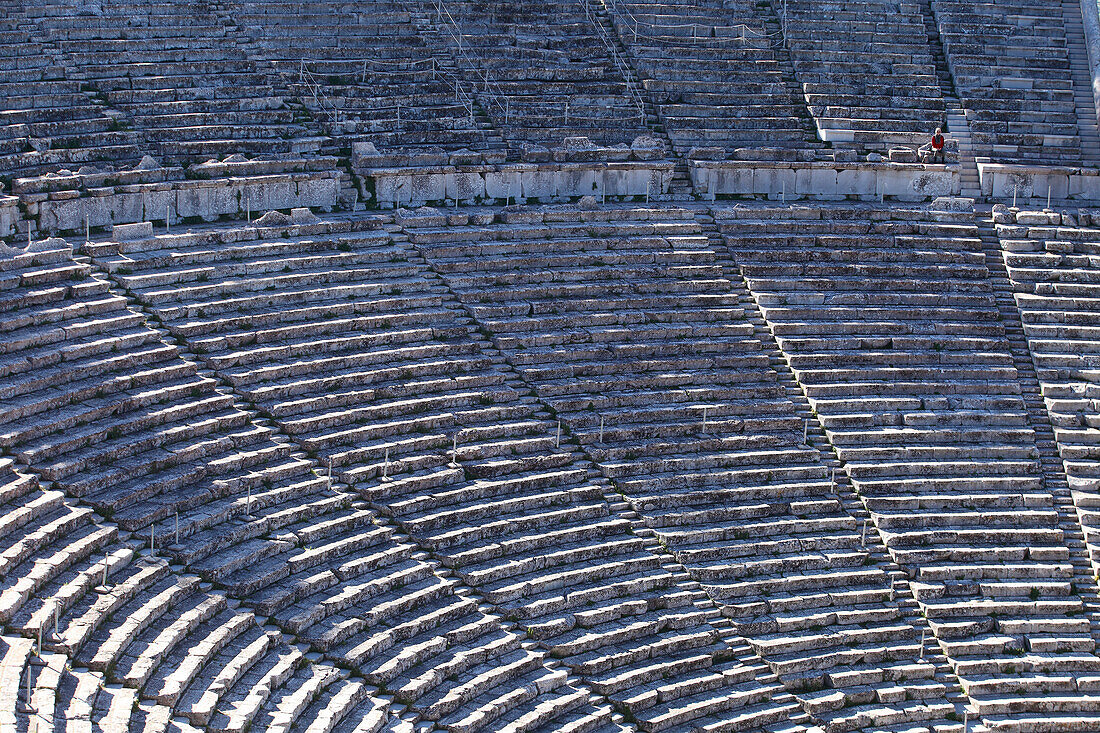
column 934, row 149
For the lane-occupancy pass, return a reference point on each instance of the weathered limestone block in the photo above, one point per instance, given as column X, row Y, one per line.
column 9, row 213
column 131, row 232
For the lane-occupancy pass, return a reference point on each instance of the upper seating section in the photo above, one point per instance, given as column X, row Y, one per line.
column 866, row 70
column 177, row 74
column 47, row 120
column 717, row 72
column 1010, row 63
column 544, row 70
column 889, row 323
column 365, row 72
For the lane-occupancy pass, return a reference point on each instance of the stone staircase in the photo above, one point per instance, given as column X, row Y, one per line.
column 1082, row 84
column 1053, row 471
column 958, row 128
column 817, row 439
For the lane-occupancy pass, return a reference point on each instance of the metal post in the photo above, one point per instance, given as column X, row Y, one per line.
column 454, row 451
column 152, row 540
column 248, row 502
column 27, row 707
column 105, row 571
column 601, row 428
column 247, row 207
column 386, row 467
column 704, row 418
column 1048, row 195
column 922, row 633
column 1015, row 190
column 87, row 230
column 177, row 527
column 806, row 432
column 863, row 535
column 168, row 219
column 557, row 440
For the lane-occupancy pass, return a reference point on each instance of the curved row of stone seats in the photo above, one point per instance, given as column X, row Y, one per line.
column 888, row 320
column 149, row 638
column 140, row 56
column 64, row 698
column 100, row 406
column 42, row 535
column 1051, row 264
column 46, row 120
column 1010, row 64
column 870, row 80
column 716, row 73
column 148, row 643
column 626, row 326
column 357, row 350
column 365, row 72
column 546, row 71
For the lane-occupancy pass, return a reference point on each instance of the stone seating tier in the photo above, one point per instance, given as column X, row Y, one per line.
column 394, row 402
column 660, row 329
column 923, row 407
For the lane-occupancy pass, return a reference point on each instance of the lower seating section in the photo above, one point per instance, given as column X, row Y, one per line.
column 716, row 73
column 626, row 326
column 46, row 120
column 113, row 638
column 866, row 69
column 107, row 412
column 1054, row 274
column 365, row 72
column 42, row 534
column 888, row 320
column 347, row 340
column 327, row 572
column 1010, row 63
column 140, row 57
column 544, row 70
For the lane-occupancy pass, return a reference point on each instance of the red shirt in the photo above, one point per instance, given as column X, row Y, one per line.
column 937, row 142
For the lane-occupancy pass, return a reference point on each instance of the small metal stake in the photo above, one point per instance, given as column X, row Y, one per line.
column 105, row 571
column 177, row 527
column 27, row 706
column 152, row 540
column 87, row 230
column 557, row 440
column 454, row 451
column 601, row 428
column 247, row 208
column 386, row 466
column 922, row 633
column 806, row 432
column 1015, row 190
column 704, row 418
column 863, row 535
column 168, row 219
column 1048, row 195
column 248, row 502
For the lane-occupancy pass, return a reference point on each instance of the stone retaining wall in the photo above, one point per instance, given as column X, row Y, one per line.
column 70, row 202
column 1002, row 180
column 824, row 180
